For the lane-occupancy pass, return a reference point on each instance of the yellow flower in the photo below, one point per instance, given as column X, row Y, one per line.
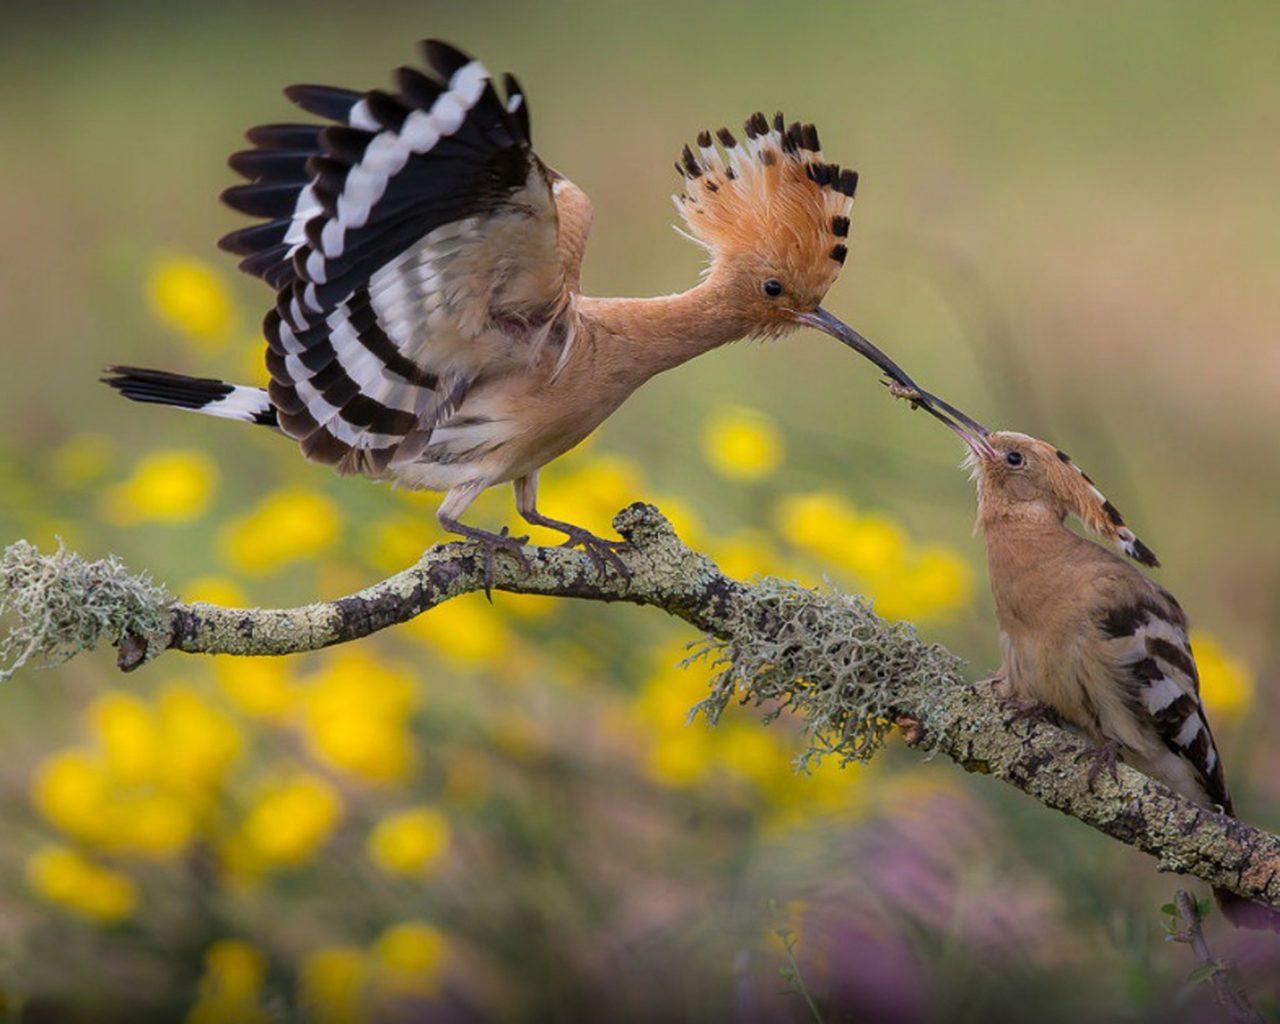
column 152, row 824
column 398, row 541
column 292, row 818
column 741, row 444
column 263, row 687
column 217, row 590
column 201, row 743
column 253, row 362
column 70, row 789
column 189, row 296
column 331, row 985
column 817, row 523
column 466, row 630
column 1226, row 682
column 288, row 525
column 410, row 842
column 936, row 583
column 80, row 460
column 681, row 758
column 64, row 876
column 745, row 554
column 129, row 735
column 169, row 486
column 874, row 547
column 588, row 493
column 355, row 717
column 230, row 989
column 410, row 958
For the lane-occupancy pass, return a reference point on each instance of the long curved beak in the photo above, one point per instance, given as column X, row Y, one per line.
column 970, row 430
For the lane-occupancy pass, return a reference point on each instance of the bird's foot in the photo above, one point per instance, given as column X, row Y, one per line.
column 602, row 551
column 1031, row 711
column 1102, row 758
column 489, row 544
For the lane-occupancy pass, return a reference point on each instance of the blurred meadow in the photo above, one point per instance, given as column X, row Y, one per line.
column 1067, row 224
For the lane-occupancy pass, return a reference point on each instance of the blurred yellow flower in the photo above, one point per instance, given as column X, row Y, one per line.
column 467, row 630
column 81, row 460
column 331, row 985
column 398, row 541
column 680, row 758
column 588, row 492
column 287, row 525
column 168, row 486
column 201, row 743
column 152, row 824
column 128, row 733
column 936, row 583
column 1226, row 682
column 874, row 547
column 410, row 958
column 191, row 297
column 70, row 789
column 355, row 717
column 817, row 522
column 65, row 876
column 217, row 590
column 745, row 554
column 262, row 687
column 253, row 362
column 293, row 816
column 231, row 987
column 741, row 444
column 410, row 842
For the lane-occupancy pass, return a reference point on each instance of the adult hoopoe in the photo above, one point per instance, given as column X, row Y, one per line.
column 1085, row 634
column 429, row 328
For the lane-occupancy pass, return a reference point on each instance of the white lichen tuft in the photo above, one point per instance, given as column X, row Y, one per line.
column 829, row 658
column 61, row 604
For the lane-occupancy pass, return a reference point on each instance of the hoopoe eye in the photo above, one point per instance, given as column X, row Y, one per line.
column 1014, row 459
column 772, row 287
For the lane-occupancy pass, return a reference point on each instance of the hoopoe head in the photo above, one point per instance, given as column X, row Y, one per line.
column 1015, row 470
column 774, row 216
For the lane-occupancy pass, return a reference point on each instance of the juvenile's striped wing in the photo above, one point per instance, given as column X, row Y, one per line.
column 412, row 241
column 1147, row 640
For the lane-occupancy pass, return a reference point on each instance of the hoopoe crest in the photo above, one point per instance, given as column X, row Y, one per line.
column 771, row 204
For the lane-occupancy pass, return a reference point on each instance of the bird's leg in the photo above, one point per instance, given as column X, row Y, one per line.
column 454, row 504
column 1102, row 758
column 602, row 551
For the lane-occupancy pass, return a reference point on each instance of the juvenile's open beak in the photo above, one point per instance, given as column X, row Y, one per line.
column 973, row 432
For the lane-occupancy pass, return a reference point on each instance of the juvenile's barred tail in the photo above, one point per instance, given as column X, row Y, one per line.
column 199, row 394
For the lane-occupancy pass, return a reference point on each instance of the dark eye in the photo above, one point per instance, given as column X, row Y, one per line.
column 772, row 287
column 1014, row 459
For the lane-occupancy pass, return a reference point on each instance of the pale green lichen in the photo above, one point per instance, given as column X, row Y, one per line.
column 830, row 659
column 60, row 604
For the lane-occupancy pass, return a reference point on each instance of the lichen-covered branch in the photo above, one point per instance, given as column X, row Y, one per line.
column 850, row 675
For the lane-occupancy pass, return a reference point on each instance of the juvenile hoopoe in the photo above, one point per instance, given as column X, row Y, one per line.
column 1085, row 634
column 429, row 328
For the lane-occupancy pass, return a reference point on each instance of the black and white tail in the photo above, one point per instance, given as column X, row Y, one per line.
column 199, row 394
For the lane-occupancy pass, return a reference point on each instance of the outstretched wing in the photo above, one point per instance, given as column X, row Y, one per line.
column 1147, row 639
column 412, row 242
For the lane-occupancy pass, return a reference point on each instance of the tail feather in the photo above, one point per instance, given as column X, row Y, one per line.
column 1246, row 913
column 199, row 394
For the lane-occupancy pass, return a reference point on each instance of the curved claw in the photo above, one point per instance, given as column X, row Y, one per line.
column 602, row 551
column 501, row 541
column 1103, row 757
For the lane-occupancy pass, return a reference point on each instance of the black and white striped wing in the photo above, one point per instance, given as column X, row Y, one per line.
column 413, row 245
column 1147, row 640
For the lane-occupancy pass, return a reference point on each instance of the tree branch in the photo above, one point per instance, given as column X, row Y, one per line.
column 848, row 672
column 1220, row 974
